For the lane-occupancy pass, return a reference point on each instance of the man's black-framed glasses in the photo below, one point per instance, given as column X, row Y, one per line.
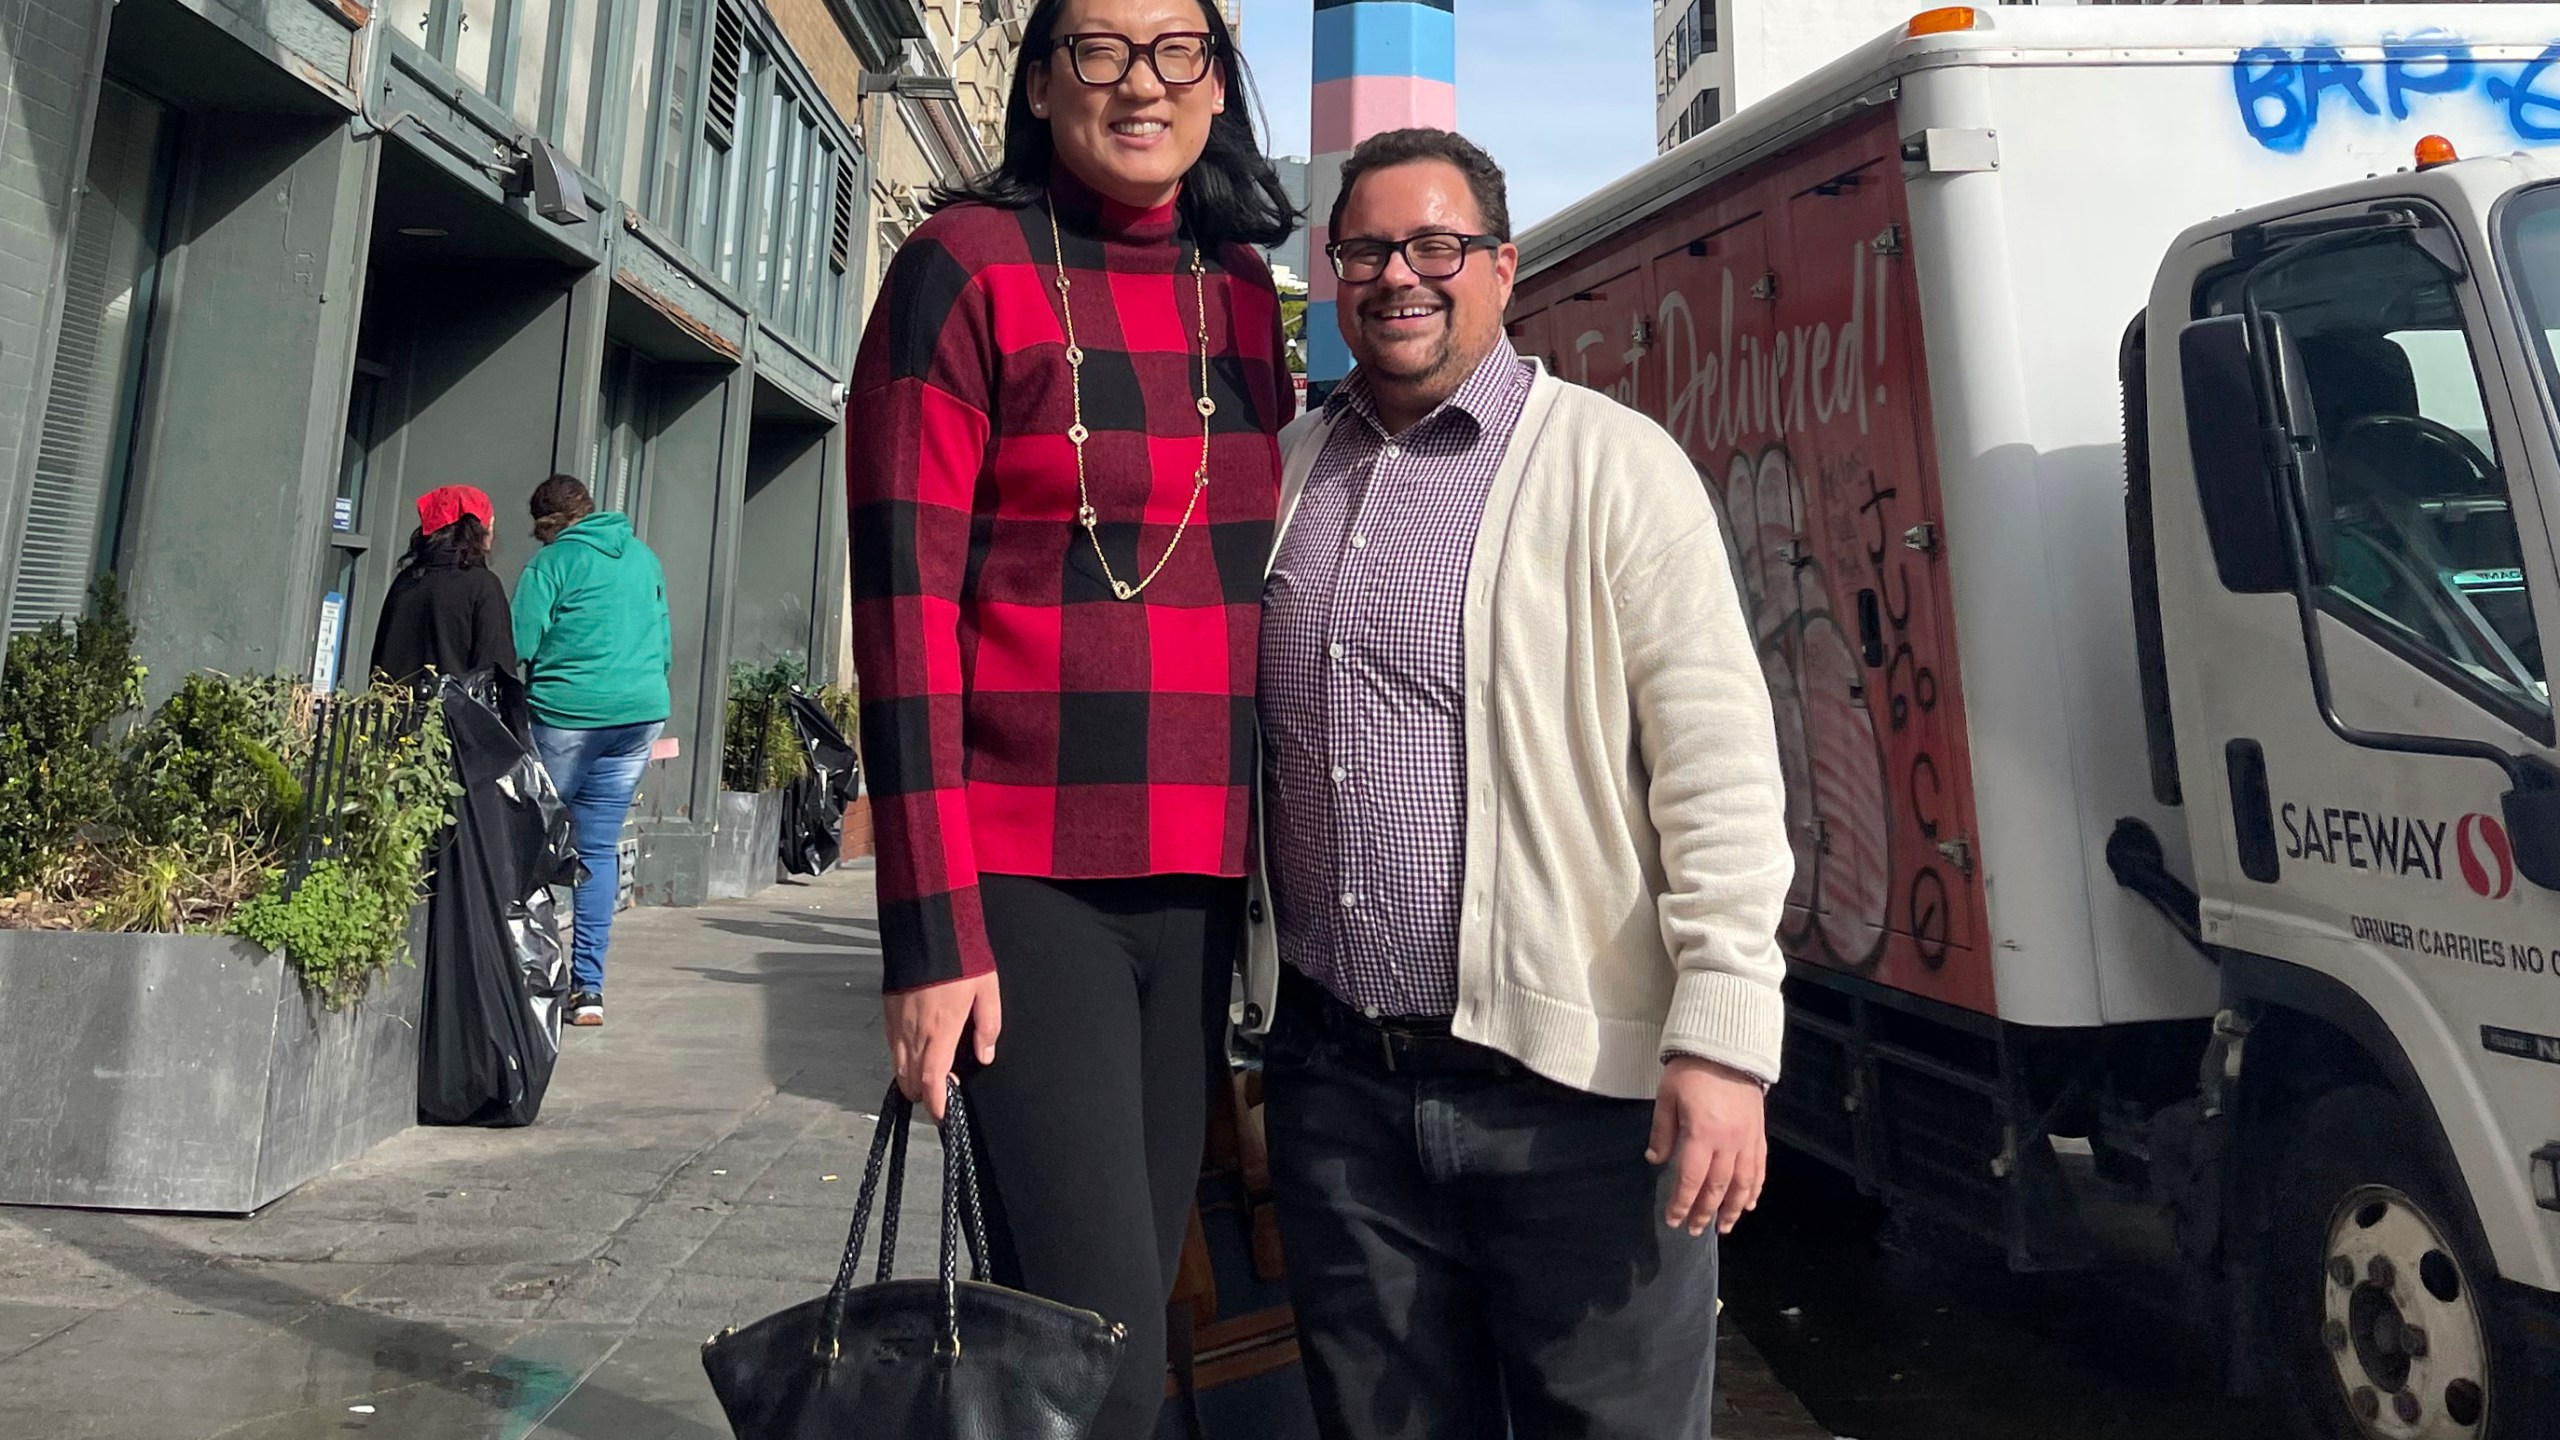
column 1438, row 255
column 1103, row 59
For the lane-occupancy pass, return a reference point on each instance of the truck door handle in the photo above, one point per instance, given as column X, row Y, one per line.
column 1870, row 629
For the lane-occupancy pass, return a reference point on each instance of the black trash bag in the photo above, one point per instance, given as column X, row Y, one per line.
column 497, row 968
column 813, row 805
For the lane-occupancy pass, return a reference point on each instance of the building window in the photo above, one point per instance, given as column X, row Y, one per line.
column 736, row 164
column 585, row 40
column 774, row 146
column 475, row 42
column 350, row 530
column 1691, row 39
column 631, row 175
column 622, row 431
column 674, row 141
column 84, row 437
column 742, row 164
column 529, row 25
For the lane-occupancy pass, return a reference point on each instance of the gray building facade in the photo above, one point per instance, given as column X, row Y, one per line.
column 1293, row 252
column 270, row 269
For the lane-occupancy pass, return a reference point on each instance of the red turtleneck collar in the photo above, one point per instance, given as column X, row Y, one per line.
column 1081, row 207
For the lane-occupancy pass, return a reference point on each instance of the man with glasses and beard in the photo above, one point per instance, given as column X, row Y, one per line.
column 1525, row 860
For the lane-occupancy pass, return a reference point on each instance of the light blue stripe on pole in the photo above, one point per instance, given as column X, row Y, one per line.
column 1327, row 357
column 1386, row 37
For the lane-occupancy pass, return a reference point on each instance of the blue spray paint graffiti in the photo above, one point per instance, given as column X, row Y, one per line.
column 2283, row 91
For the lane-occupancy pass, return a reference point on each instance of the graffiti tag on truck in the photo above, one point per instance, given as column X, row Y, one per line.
column 2286, row 92
column 1781, row 410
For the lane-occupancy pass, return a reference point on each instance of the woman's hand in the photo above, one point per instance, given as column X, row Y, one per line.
column 924, row 1034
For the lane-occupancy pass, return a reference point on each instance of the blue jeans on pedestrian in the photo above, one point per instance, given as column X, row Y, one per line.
column 596, row 773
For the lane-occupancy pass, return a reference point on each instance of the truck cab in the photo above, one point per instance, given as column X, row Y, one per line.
column 2133, row 435
column 2343, row 485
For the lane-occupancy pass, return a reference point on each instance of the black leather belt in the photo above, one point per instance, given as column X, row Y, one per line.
column 1397, row 1045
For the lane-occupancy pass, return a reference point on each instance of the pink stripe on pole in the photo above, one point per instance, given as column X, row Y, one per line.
column 1321, row 285
column 1346, row 112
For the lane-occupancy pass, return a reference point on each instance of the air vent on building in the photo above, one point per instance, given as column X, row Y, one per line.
column 840, row 247
column 728, row 54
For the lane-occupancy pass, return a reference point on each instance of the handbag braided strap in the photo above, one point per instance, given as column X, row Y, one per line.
column 894, row 1111
column 960, row 1207
column 963, row 1147
column 963, row 1214
column 897, row 1193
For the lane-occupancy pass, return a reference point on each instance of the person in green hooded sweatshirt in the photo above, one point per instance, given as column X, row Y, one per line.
column 591, row 624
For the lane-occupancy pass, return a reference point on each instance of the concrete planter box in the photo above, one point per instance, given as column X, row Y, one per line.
column 189, row 1072
column 746, row 851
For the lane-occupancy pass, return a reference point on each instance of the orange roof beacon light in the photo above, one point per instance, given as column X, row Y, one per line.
column 2435, row 150
column 1946, row 20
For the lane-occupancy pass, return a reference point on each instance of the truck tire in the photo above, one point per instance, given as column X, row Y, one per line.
column 2380, row 1312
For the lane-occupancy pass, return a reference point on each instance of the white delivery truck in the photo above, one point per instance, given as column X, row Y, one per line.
column 2135, row 432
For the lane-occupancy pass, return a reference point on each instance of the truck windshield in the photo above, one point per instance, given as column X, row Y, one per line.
column 2427, row 557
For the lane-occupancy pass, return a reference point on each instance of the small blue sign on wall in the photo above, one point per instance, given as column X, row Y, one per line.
column 333, row 626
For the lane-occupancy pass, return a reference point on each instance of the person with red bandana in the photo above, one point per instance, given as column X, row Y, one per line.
column 447, row 612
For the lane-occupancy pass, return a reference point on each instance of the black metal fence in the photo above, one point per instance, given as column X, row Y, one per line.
column 343, row 729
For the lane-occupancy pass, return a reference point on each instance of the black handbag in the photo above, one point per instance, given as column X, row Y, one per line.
column 946, row 1359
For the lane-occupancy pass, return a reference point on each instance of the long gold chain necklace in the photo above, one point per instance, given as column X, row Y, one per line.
column 1085, row 513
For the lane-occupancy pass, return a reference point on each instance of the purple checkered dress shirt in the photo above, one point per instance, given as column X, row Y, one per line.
column 1363, row 677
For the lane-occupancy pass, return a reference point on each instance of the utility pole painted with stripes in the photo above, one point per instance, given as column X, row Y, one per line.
column 1379, row 65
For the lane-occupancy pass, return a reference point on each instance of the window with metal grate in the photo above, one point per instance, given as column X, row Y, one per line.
column 728, row 59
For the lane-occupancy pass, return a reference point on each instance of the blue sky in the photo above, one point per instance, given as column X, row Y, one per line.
column 1559, row 90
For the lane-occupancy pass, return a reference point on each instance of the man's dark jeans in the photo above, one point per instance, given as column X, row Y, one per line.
column 1473, row 1256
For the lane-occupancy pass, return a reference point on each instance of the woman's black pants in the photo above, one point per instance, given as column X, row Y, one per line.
column 1093, row 1120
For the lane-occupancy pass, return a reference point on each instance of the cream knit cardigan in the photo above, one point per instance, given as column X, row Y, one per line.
column 1626, row 847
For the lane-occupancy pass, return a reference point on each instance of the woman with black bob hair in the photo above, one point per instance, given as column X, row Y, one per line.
column 1230, row 192
column 1063, row 478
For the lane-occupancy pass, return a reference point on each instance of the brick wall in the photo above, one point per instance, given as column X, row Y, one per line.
column 821, row 44
column 48, row 49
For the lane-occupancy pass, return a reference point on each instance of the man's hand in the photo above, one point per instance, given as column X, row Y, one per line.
column 924, row 1034
column 1707, row 1120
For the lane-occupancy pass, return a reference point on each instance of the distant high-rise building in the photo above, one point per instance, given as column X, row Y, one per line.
column 1232, row 11
column 1712, row 57
column 1292, row 254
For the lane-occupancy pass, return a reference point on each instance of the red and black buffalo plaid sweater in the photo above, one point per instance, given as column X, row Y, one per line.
column 1017, row 719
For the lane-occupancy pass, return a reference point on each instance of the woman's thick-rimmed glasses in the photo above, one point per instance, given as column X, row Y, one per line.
column 1103, row 59
column 1438, row 255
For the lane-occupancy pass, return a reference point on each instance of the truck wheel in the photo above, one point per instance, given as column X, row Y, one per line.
column 2378, row 1308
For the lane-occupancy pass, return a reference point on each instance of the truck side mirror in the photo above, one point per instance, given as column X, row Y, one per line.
column 2533, row 826
column 2248, row 442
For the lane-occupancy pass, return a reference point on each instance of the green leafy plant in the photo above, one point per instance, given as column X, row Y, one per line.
column 210, row 762
column 60, row 688
column 759, row 750
column 336, row 929
column 844, row 706
column 346, row 917
column 199, row 821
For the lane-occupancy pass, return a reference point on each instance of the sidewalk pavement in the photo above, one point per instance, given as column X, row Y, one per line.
column 694, row 1168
